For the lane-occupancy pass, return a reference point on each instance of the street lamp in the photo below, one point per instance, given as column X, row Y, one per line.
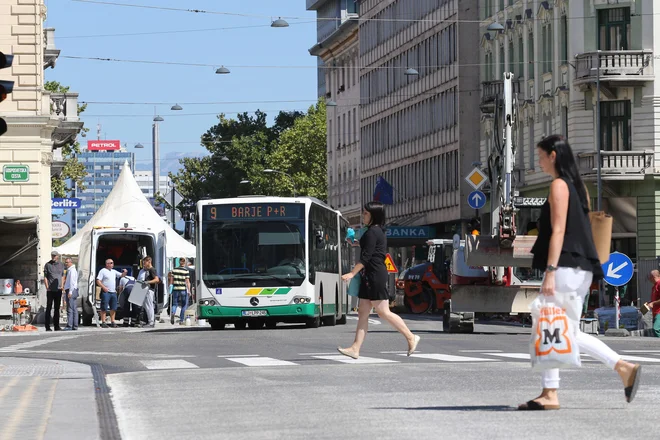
column 279, row 23
column 411, row 72
column 138, row 145
column 176, row 107
column 222, row 70
column 331, row 103
column 293, row 184
column 495, row 26
column 244, row 182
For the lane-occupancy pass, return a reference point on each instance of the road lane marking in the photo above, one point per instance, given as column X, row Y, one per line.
column 449, row 358
column 640, row 358
column 480, row 351
column 168, row 364
column 397, row 352
column 260, row 361
column 641, row 351
column 510, row 355
column 37, row 343
column 371, row 321
column 105, row 353
column 316, row 354
column 47, row 411
column 236, row 355
column 360, row 360
column 8, row 387
column 17, row 416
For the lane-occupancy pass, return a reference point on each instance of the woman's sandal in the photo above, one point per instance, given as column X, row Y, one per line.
column 348, row 353
column 533, row 405
column 412, row 348
column 631, row 390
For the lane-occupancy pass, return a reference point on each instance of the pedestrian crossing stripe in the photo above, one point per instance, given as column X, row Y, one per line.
column 268, row 291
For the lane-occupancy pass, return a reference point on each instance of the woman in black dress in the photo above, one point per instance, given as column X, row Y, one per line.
column 373, row 289
column 565, row 250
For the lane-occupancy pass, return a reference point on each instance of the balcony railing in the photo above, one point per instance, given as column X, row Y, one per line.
column 492, row 90
column 617, row 164
column 617, row 65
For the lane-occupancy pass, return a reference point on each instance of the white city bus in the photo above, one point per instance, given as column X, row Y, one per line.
column 265, row 260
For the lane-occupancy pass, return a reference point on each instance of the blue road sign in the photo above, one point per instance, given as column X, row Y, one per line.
column 618, row 269
column 477, row 200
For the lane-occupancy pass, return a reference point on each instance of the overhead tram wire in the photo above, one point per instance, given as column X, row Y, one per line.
column 245, row 15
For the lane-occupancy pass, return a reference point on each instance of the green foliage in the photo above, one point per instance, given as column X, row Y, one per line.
column 73, row 169
column 240, row 149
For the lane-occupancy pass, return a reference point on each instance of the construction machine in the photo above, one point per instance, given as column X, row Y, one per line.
column 482, row 275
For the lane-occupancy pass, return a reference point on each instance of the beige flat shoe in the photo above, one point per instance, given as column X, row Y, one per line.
column 412, row 348
column 347, row 352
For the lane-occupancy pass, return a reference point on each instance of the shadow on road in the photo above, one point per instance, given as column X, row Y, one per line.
column 457, row 408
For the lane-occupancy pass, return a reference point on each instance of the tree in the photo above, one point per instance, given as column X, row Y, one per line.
column 73, row 170
column 239, row 150
column 301, row 152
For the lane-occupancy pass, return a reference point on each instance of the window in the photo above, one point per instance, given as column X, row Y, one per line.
column 564, row 121
column 614, row 29
column 615, row 126
column 532, row 145
column 546, row 35
column 502, row 63
column 564, row 40
column 511, row 57
column 489, row 67
column 530, row 55
column 521, row 58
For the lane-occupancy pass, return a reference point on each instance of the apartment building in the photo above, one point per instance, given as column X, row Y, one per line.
column 337, row 52
column 562, row 53
column 419, row 91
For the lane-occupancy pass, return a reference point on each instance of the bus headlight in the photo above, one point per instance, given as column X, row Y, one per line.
column 298, row 300
column 206, row 302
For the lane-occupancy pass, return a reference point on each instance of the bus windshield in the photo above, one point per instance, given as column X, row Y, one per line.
column 253, row 245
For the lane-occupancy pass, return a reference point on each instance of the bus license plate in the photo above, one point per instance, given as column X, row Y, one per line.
column 254, row 313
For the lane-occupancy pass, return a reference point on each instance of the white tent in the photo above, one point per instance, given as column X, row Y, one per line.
column 127, row 204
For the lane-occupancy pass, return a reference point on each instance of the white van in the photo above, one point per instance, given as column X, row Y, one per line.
column 126, row 247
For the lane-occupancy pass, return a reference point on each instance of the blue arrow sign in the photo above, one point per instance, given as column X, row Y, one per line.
column 477, row 200
column 618, row 269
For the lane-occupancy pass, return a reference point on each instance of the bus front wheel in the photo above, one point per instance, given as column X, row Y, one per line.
column 313, row 322
column 216, row 324
column 240, row 325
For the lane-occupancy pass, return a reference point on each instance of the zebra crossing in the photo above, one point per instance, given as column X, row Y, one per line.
column 388, row 357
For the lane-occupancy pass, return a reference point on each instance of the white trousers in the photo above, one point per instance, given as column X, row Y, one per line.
column 149, row 306
column 569, row 280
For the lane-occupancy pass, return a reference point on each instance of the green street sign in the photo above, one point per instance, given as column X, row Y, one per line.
column 16, row 173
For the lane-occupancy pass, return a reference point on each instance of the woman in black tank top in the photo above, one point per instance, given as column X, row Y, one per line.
column 565, row 250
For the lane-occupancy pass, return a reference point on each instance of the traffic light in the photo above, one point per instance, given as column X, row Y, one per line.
column 6, row 87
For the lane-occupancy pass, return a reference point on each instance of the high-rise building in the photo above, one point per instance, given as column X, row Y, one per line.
column 419, row 90
column 103, row 168
column 145, row 181
column 337, row 51
column 562, row 53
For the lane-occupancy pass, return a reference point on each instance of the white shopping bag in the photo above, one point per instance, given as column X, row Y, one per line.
column 553, row 343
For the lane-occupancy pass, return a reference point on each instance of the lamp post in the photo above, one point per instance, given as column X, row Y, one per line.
column 156, row 153
column 293, row 184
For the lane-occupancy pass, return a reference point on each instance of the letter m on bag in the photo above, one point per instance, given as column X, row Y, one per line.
column 552, row 337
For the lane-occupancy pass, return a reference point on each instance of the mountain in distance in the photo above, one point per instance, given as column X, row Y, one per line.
column 170, row 163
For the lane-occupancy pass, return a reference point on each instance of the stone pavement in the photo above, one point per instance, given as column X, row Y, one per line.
column 47, row 399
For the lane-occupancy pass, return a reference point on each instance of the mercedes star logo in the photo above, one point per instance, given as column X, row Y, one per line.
column 254, row 301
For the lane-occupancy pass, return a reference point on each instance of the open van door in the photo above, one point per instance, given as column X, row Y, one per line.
column 161, row 269
column 87, row 276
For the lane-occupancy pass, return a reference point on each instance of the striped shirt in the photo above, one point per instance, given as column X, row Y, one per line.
column 180, row 275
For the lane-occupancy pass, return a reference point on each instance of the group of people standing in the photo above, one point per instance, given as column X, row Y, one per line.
column 564, row 251
column 61, row 279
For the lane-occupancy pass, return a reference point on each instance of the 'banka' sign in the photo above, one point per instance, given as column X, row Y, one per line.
column 408, row 232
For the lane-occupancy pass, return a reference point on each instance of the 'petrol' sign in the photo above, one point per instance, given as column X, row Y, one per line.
column 103, row 145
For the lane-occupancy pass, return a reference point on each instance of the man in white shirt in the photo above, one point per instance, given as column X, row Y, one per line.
column 107, row 281
column 71, row 291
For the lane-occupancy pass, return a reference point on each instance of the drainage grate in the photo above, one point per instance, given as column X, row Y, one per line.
column 107, row 418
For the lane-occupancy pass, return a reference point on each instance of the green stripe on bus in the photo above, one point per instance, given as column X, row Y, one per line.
column 267, row 291
column 283, row 291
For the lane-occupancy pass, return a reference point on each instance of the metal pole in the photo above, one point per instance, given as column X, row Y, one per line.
column 156, row 154
column 617, row 304
column 173, row 192
column 598, row 140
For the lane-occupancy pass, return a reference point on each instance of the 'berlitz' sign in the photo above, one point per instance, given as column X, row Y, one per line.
column 66, row 203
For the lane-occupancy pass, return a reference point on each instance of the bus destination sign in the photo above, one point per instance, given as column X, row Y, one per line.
column 254, row 211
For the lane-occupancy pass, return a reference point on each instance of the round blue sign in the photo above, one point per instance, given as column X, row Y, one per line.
column 618, row 269
column 476, row 200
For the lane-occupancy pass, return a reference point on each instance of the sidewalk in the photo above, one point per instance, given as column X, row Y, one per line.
column 45, row 399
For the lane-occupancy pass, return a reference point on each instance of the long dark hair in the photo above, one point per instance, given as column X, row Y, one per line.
column 377, row 211
column 565, row 164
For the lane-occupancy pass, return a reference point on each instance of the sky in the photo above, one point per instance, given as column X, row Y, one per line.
column 79, row 24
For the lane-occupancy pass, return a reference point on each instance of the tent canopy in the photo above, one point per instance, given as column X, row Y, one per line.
column 126, row 204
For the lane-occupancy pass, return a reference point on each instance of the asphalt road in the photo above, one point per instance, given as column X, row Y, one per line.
column 291, row 383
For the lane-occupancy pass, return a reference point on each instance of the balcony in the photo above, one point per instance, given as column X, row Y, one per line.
column 491, row 91
column 617, row 165
column 64, row 108
column 618, row 68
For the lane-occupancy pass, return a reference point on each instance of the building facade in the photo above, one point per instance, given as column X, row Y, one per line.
column 562, row 53
column 38, row 125
column 145, row 181
column 337, row 51
column 103, row 169
column 419, row 88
